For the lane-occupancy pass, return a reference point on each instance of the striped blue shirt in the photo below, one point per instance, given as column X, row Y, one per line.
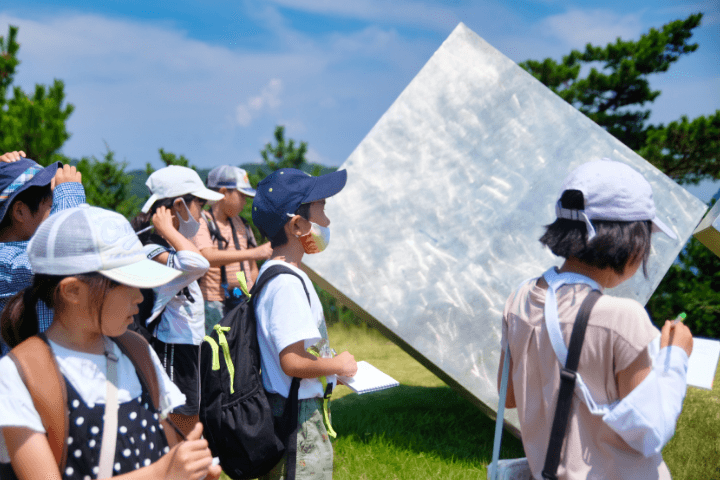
column 15, row 271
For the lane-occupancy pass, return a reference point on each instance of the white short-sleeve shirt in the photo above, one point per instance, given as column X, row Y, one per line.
column 285, row 317
column 86, row 373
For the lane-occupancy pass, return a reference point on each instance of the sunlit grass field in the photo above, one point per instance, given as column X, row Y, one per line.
column 424, row 430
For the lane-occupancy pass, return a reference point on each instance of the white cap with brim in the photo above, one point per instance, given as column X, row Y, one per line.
column 143, row 274
column 611, row 191
column 176, row 181
column 89, row 239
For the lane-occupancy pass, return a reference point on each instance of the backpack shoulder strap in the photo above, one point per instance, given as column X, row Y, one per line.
column 39, row 371
column 272, row 272
column 568, row 374
column 252, row 243
column 136, row 348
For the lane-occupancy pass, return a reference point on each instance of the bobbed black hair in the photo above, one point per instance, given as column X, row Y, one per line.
column 615, row 244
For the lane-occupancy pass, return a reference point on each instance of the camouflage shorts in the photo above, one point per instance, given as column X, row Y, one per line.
column 314, row 450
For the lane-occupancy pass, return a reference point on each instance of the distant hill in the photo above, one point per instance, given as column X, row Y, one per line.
column 139, row 177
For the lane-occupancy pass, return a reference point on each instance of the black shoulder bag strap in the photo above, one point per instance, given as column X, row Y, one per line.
column 289, row 419
column 567, row 386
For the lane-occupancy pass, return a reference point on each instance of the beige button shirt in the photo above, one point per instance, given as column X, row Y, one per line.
column 618, row 330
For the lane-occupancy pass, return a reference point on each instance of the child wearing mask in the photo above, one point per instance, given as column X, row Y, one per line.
column 289, row 208
column 178, row 196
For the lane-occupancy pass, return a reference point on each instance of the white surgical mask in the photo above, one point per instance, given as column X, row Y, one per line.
column 187, row 228
column 316, row 240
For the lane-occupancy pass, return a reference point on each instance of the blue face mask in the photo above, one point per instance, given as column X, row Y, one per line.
column 187, row 228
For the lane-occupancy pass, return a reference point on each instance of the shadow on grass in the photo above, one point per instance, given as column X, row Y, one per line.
column 422, row 420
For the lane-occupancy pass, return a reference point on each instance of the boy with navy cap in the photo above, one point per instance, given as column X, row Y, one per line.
column 289, row 208
column 29, row 193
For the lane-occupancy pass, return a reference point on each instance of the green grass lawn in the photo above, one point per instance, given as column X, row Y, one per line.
column 424, row 430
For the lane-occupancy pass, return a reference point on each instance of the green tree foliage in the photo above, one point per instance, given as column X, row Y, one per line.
column 168, row 159
column 685, row 150
column 284, row 154
column 34, row 123
column 107, row 184
column 614, row 97
column 691, row 285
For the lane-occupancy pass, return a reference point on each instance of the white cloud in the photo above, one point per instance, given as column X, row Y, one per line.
column 578, row 27
column 269, row 97
column 400, row 11
column 141, row 86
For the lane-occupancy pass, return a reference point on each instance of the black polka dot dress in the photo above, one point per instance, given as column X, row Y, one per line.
column 140, row 439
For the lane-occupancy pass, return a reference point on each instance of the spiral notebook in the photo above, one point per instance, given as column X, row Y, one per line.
column 368, row 379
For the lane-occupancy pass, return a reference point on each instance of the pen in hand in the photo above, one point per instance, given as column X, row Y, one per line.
column 679, row 318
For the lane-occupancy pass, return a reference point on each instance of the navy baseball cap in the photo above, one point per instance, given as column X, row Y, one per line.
column 282, row 192
column 18, row 176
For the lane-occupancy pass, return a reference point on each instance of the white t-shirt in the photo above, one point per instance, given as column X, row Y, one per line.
column 182, row 321
column 284, row 317
column 86, row 373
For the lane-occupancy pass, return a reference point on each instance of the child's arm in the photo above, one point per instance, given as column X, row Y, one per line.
column 68, row 191
column 163, row 222
column 218, row 258
column 296, row 362
column 32, row 458
column 30, row 454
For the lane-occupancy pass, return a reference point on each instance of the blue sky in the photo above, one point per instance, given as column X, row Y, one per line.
column 210, row 80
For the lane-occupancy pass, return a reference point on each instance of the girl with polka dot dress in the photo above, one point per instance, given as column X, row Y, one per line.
column 89, row 265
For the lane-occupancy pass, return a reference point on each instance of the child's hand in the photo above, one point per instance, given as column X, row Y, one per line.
column 264, row 251
column 163, row 221
column 10, row 157
column 66, row 174
column 190, row 459
column 677, row 335
column 347, row 366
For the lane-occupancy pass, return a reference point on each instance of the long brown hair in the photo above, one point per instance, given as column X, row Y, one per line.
column 19, row 320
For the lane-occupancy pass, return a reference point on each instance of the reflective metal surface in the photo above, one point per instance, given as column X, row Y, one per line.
column 446, row 199
column 708, row 232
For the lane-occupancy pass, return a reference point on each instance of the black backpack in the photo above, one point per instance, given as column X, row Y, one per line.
column 237, row 418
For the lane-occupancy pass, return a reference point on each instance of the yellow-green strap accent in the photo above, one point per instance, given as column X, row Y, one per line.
column 216, row 352
column 243, row 283
column 226, row 353
column 326, row 399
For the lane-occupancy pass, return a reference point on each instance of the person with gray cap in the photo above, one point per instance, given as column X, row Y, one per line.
column 178, row 196
column 226, row 240
column 629, row 388
column 28, row 194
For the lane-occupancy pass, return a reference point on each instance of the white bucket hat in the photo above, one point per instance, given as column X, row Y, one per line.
column 612, row 191
column 89, row 239
column 176, row 181
column 230, row 177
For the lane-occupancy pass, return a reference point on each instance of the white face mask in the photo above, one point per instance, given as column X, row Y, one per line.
column 187, row 228
column 316, row 240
